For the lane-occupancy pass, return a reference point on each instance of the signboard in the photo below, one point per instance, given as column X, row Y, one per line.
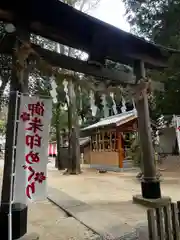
column 178, row 131
column 32, row 149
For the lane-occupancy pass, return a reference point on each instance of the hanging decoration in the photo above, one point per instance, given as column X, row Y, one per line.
column 27, row 50
column 123, row 108
column 114, row 103
column 92, row 104
column 105, row 107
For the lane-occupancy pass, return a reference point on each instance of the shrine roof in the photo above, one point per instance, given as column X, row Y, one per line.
column 116, row 120
column 66, row 25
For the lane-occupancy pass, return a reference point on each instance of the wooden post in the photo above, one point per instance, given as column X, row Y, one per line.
column 178, row 206
column 175, row 222
column 110, row 142
column 97, row 147
column 163, row 223
column 167, row 222
column 103, row 141
column 120, row 152
column 151, row 224
column 150, row 185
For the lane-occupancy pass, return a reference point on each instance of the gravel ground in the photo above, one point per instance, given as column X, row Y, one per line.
column 52, row 223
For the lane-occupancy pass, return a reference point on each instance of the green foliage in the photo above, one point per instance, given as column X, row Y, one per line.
column 158, row 21
column 2, row 127
column 39, row 76
column 63, row 117
column 135, row 151
column 5, row 69
column 84, row 109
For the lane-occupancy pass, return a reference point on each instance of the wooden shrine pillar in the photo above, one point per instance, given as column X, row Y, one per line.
column 150, row 185
column 120, row 150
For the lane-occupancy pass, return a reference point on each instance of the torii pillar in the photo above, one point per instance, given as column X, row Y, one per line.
column 150, row 185
column 19, row 210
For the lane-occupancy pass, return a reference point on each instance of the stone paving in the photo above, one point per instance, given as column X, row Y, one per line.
column 107, row 225
column 51, row 223
column 109, row 197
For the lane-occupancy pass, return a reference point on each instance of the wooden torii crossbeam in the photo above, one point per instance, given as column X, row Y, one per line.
column 62, row 23
column 60, row 60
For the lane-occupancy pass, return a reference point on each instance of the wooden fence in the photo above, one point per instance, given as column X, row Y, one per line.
column 164, row 222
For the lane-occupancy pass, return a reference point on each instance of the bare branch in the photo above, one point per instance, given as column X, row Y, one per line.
column 91, row 5
column 86, row 5
column 82, row 5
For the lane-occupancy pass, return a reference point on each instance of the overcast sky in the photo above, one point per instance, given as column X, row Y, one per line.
column 111, row 11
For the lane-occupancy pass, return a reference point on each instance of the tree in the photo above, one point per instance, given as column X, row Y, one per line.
column 2, row 127
column 59, row 117
column 73, row 112
column 40, row 74
column 5, row 69
column 158, row 21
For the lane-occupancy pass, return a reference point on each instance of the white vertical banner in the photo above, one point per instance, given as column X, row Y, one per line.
column 178, row 131
column 32, row 149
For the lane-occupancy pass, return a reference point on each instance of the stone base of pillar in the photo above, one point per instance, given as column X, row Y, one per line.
column 151, row 194
column 19, row 220
column 151, row 203
column 150, row 189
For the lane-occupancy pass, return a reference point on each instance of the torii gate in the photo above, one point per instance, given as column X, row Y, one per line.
column 101, row 41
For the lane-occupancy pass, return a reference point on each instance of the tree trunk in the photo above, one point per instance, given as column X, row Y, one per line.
column 58, row 138
column 2, row 88
column 70, row 127
column 73, row 148
column 77, row 146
